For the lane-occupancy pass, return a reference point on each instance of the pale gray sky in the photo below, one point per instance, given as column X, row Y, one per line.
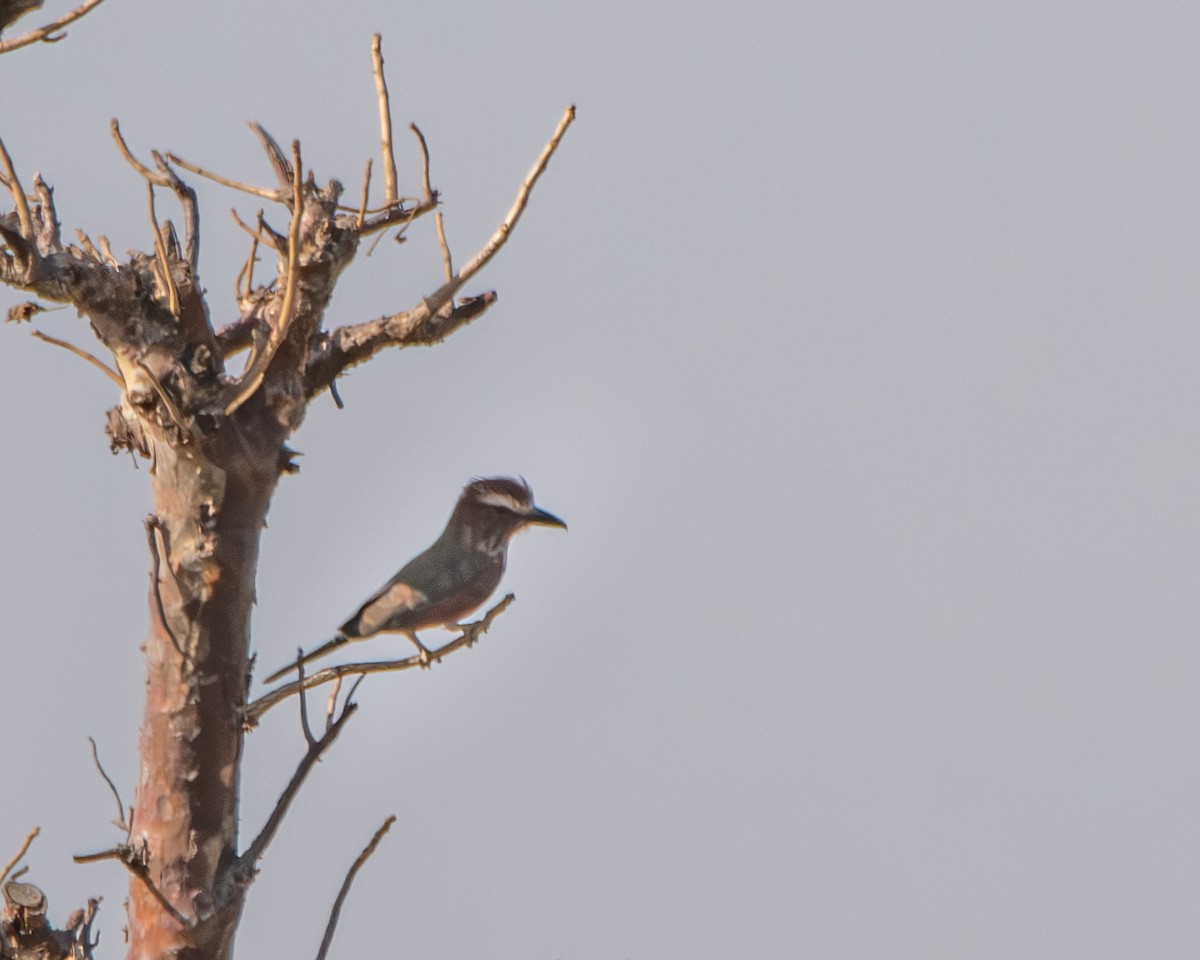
column 858, row 344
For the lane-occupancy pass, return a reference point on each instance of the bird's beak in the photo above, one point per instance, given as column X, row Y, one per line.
column 544, row 517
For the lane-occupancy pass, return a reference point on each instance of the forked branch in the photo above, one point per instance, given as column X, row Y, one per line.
column 29, row 838
column 246, row 863
column 471, row 632
column 256, row 369
column 426, row 323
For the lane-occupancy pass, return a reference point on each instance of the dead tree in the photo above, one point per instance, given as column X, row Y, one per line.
column 217, row 444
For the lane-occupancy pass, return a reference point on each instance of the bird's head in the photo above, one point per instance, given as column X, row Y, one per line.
column 492, row 509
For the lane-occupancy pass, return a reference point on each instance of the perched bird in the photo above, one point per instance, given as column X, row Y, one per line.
column 454, row 576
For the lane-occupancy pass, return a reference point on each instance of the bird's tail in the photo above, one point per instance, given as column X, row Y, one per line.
column 320, row 651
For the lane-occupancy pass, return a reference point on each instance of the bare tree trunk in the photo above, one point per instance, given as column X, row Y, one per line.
column 217, row 446
column 210, row 509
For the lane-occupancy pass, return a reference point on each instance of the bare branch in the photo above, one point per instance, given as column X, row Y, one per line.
column 164, row 263
column 29, row 838
column 155, row 178
column 283, row 172
column 426, row 323
column 303, row 698
column 18, row 193
column 191, row 210
column 429, row 195
column 385, row 120
column 316, row 749
column 447, row 261
column 331, row 703
column 432, row 199
column 395, row 214
column 264, row 192
column 121, row 821
column 83, row 355
column 362, row 858
column 362, row 210
column 256, row 369
column 336, row 352
column 165, row 177
column 133, row 856
column 247, row 272
column 263, row 235
column 500, row 237
column 471, row 632
column 44, row 33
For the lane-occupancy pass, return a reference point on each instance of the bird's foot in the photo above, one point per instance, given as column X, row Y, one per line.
column 423, row 654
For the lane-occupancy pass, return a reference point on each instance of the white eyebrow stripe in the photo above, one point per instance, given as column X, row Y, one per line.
column 494, row 498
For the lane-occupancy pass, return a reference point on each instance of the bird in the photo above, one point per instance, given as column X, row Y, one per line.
column 454, row 576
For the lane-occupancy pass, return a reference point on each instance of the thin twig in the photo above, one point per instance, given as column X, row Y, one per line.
column 264, row 192
column 83, row 932
column 153, row 528
column 247, row 272
column 29, row 838
column 427, row 322
column 283, row 173
column 425, row 183
column 500, row 237
column 303, row 698
column 431, row 198
column 114, row 128
column 256, row 369
column 385, row 120
column 254, row 853
column 471, row 632
column 83, row 355
column 447, row 262
column 134, row 859
column 164, row 262
column 363, row 857
column 17, row 191
column 139, row 869
column 265, row 235
column 121, row 821
column 120, row 852
column 191, row 210
column 362, row 210
column 331, row 704
column 165, row 177
column 371, row 211
column 44, row 33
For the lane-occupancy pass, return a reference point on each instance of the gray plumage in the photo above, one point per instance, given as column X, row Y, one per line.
column 451, row 579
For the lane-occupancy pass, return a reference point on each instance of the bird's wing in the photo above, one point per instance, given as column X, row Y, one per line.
column 393, row 599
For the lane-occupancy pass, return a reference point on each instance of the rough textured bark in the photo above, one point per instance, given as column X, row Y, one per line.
column 217, row 445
